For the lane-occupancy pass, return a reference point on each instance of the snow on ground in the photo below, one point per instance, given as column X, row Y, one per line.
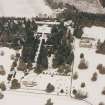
column 34, row 97
column 94, row 32
column 59, row 82
column 94, row 89
column 6, row 60
column 23, row 8
column 37, row 95
column 15, row 98
column 31, row 95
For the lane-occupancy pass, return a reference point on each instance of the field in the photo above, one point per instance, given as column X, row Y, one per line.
column 93, row 88
column 23, row 8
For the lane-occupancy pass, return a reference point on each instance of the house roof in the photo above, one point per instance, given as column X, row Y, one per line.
column 44, row 29
column 90, row 6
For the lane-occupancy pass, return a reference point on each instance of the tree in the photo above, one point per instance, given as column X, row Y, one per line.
column 50, row 88
column 69, row 13
column 31, row 44
column 63, row 54
column 101, row 48
column 2, row 86
column 1, row 96
column 15, row 84
column 49, row 102
column 78, row 32
column 60, row 5
column 54, row 29
column 43, row 59
column 53, row 4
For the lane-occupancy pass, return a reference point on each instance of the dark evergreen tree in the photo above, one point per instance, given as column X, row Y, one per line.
column 63, row 54
column 31, row 44
column 42, row 59
column 50, row 88
column 78, row 32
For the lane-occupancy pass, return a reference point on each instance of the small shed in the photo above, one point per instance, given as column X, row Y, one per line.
column 45, row 30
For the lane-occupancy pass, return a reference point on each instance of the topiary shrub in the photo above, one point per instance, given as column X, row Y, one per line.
column 2, row 86
column 94, row 77
column 101, row 48
column 103, row 92
column 101, row 103
column 49, row 102
column 1, row 96
column 15, row 84
column 75, row 76
column 78, row 94
column 64, row 69
column 14, row 64
column 61, row 69
column 83, row 84
column 81, row 55
column 101, row 69
column 74, row 91
column 39, row 69
column 82, row 65
column 12, row 57
column 2, row 70
column 22, row 65
column 2, row 53
column 78, row 32
column 61, row 91
column 50, row 88
column 81, row 95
